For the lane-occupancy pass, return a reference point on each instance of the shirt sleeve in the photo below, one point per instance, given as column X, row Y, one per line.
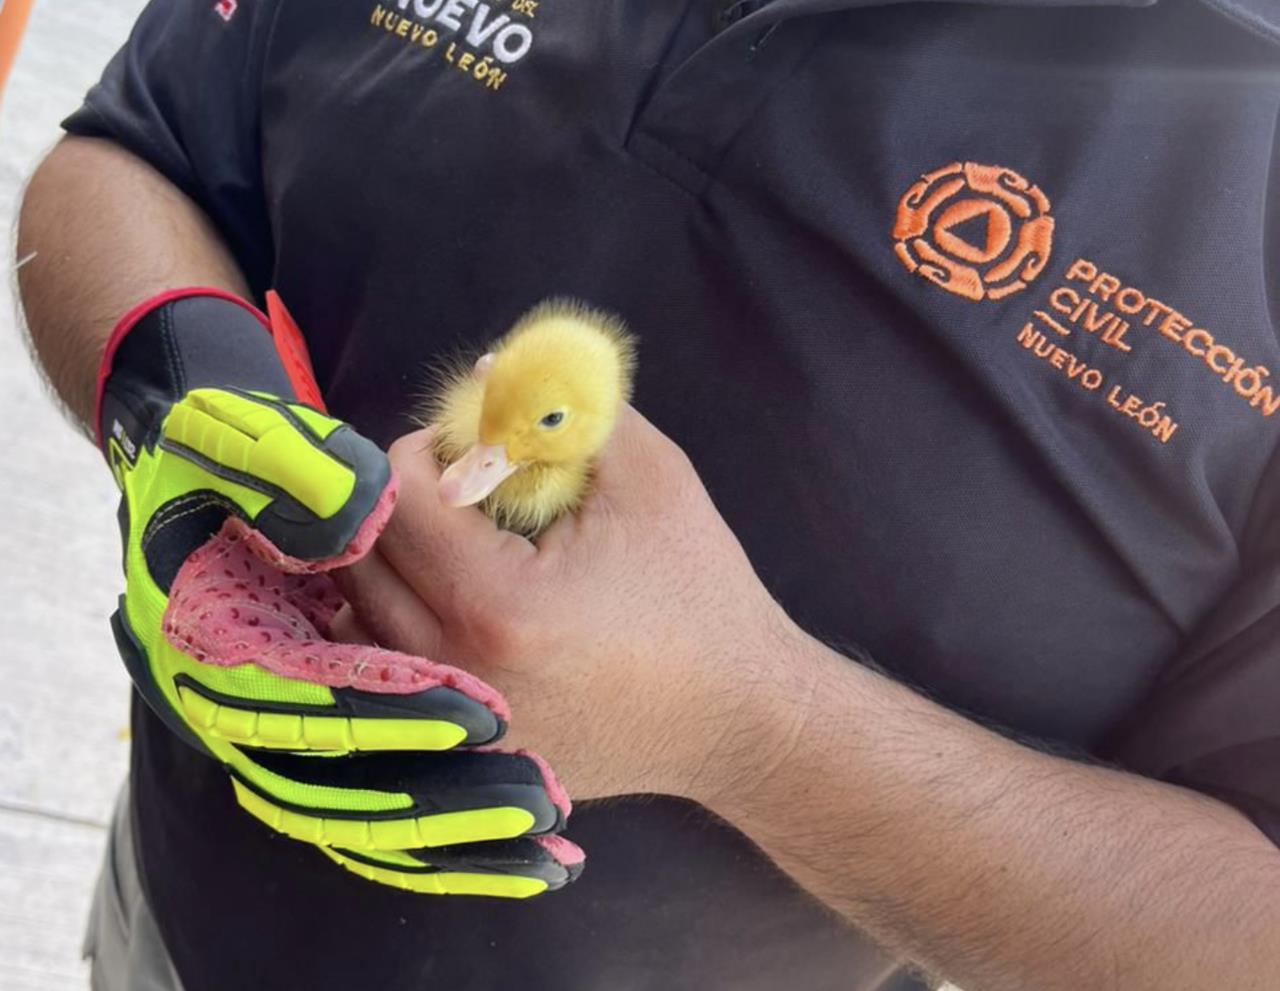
column 1212, row 722
column 184, row 95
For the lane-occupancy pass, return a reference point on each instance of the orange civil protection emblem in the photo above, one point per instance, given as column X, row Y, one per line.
column 979, row 231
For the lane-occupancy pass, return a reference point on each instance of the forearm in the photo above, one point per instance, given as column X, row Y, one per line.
column 104, row 231
column 995, row 865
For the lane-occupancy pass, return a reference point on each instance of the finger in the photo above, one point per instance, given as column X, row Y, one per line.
column 346, row 628
column 516, row 868
column 388, row 609
column 402, row 801
column 307, row 482
column 264, row 441
column 637, row 474
column 639, row 461
column 443, row 553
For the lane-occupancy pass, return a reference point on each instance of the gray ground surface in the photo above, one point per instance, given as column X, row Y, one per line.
column 63, row 705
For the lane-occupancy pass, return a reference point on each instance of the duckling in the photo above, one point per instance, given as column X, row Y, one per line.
column 520, row 430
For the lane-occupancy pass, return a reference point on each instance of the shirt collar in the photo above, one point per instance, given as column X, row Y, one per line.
column 1262, row 17
column 1259, row 16
column 794, row 8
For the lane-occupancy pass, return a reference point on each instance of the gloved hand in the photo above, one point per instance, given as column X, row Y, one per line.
column 236, row 499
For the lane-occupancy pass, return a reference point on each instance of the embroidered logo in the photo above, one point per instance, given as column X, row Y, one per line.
column 481, row 40
column 226, row 9
column 979, row 231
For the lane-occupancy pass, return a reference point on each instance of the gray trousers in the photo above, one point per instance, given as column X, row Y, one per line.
column 122, row 940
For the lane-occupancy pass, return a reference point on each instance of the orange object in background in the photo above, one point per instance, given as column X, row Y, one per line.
column 13, row 20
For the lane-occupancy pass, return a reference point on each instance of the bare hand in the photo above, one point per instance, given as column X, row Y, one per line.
column 627, row 640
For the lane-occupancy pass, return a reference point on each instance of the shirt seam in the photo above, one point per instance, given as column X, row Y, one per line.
column 1270, row 242
column 268, row 42
column 1251, row 22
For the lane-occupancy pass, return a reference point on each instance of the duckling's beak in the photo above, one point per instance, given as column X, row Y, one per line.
column 477, row 473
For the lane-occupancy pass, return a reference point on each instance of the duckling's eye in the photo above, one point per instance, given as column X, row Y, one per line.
column 552, row 420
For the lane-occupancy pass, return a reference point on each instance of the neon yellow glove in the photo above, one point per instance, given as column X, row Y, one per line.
column 234, row 503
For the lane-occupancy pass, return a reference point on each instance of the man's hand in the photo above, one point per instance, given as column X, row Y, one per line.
column 622, row 639
column 641, row 653
column 235, row 504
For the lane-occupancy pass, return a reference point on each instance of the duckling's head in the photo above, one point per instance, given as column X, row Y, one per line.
column 552, row 390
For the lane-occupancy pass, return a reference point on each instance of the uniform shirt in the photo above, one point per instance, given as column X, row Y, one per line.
column 963, row 312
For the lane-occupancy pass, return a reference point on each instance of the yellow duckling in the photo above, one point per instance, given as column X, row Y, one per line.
column 520, row 430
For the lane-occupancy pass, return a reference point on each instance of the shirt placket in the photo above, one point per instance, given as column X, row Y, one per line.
column 694, row 114
column 697, row 110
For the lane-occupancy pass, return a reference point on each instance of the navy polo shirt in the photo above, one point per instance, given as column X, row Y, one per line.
column 964, row 313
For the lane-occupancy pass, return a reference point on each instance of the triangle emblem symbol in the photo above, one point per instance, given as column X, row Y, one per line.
column 976, row 232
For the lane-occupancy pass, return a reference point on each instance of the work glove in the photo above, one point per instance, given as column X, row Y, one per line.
column 237, row 498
